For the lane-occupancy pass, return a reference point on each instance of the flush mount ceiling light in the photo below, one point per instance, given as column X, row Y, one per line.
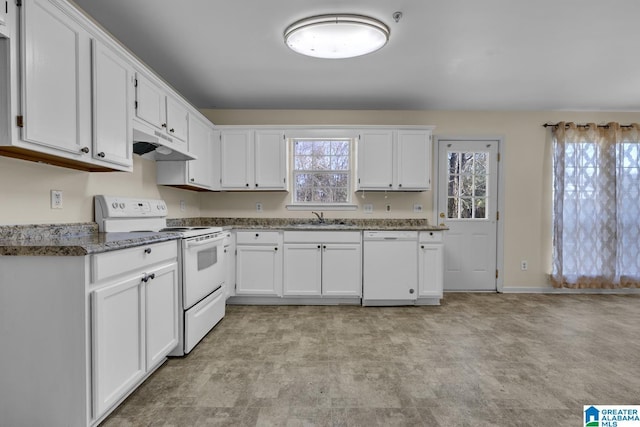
column 336, row 36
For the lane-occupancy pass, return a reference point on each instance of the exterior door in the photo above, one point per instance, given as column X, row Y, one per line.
column 467, row 204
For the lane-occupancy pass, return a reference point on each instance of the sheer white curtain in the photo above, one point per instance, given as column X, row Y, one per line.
column 596, row 204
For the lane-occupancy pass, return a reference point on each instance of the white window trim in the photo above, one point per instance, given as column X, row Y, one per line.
column 302, row 206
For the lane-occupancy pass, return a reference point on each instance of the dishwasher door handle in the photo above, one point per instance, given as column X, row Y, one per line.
column 390, row 238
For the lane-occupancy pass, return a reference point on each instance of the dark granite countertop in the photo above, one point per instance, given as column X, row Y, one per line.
column 84, row 239
column 70, row 240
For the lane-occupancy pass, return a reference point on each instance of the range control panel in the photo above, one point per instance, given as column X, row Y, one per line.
column 123, row 207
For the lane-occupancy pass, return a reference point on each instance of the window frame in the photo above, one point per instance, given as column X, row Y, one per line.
column 325, row 135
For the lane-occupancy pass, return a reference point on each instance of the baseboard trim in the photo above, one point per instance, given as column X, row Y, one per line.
column 551, row 290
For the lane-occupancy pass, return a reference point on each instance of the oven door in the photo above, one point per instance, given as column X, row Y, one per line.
column 202, row 268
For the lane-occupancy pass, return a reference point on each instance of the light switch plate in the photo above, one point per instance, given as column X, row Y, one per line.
column 183, row 206
column 258, row 207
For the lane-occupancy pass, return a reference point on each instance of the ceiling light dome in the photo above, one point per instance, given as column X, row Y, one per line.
column 336, row 36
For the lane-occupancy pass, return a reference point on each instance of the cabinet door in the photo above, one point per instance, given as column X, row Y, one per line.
column 118, row 336
column 200, row 171
column 161, row 291
column 259, row 270
column 414, row 160
column 375, row 160
column 112, row 102
column 341, row 270
column 3, row 15
column 302, row 269
column 150, row 102
column 236, row 160
column 56, row 80
column 177, row 119
column 270, row 160
column 430, row 274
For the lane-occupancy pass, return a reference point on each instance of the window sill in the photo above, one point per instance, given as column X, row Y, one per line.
column 322, row 207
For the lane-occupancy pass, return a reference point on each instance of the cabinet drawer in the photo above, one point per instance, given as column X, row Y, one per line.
column 119, row 262
column 258, row 237
column 322, row 237
column 431, row 236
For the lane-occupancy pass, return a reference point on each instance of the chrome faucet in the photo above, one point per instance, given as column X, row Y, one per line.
column 320, row 216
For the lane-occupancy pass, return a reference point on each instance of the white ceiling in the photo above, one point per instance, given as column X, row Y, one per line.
column 442, row 55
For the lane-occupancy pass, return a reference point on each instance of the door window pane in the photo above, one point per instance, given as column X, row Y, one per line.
column 467, row 189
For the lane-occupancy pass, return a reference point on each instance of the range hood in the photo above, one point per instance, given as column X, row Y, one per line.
column 155, row 145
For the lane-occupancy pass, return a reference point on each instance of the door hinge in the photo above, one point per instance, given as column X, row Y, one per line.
column 135, row 105
column 18, row 3
column 284, row 180
column 358, row 180
column 498, row 156
column 497, row 215
column 496, row 273
column 6, row 7
column 135, row 82
column 20, row 121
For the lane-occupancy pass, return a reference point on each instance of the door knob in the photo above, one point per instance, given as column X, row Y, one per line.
column 441, row 214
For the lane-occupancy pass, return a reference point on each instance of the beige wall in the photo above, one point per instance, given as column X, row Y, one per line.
column 25, row 186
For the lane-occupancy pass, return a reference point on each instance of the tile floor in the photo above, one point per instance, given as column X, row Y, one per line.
column 479, row 359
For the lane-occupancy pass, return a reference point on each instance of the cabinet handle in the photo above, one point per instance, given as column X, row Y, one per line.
column 164, row 125
column 84, row 150
column 101, row 154
column 192, row 179
column 148, row 277
column 147, row 251
column 172, row 130
column 152, row 276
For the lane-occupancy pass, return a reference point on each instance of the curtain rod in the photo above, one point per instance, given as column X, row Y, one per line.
column 555, row 125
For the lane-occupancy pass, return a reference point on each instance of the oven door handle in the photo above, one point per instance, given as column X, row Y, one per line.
column 192, row 243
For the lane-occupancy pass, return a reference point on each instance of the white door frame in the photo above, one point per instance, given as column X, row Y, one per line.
column 500, row 222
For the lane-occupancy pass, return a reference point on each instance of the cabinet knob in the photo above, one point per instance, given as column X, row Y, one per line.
column 85, row 150
column 431, row 233
column 247, row 184
column 257, row 234
column 318, row 246
column 390, row 185
column 256, row 185
column 172, row 130
column 421, row 246
column 276, row 248
column 152, row 276
column 411, row 291
column 147, row 251
column 101, row 154
column 192, row 179
column 164, row 125
column 399, row 185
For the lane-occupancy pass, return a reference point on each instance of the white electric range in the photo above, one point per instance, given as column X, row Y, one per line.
column 201, row 261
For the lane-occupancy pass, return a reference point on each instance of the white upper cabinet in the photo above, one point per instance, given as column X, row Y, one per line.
column 112, row 104
column 270, row 160
column 375, row 165
column 236, row 159
column 395, row 160
column 202, row 173
column 413, row 162
column 161, row 110
column 253, row 159
column 56, row 81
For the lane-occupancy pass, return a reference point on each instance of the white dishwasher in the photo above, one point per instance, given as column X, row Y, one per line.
column 390, row 267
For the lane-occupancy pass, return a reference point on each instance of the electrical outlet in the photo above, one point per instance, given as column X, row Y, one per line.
column 258, row 207
column 56, row 199
column 183, row 206
column 524, row 265
column 417, row 207
column 367, row 208
column 388, row 208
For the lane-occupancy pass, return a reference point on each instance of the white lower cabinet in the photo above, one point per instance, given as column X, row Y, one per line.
column 322, row 264
column 430, row 265
column 97, row 326
column 118, row 335
column 259, row 263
